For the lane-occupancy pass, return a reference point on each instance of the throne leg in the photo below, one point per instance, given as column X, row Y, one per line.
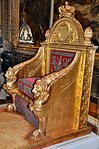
column 42, row 126
column 11, row 106
column 41, row 131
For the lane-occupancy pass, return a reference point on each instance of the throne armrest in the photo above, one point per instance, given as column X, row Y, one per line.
column 29, row 68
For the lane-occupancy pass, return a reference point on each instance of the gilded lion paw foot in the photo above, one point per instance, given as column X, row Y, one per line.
column 11, row 107
column 37, row 133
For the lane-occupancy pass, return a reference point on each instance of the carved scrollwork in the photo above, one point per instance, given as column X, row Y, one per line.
column 86, row 88
column 10, row 77
column 65, row 33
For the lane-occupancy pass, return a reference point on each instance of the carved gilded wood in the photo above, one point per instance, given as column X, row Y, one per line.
column 61, row 99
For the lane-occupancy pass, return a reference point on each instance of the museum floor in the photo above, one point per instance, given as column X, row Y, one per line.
column 16, row 132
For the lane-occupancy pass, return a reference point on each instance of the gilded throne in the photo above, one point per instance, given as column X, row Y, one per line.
column 53, row 88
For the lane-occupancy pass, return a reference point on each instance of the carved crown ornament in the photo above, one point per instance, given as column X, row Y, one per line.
column 65, row 32
column 66, row 10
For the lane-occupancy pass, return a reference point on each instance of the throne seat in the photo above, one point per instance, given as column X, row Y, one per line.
column 25, row 85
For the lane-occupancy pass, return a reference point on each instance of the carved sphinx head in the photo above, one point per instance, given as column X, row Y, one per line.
column 41, row 90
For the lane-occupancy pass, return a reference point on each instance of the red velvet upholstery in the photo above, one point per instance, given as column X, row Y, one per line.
column 22, row 107
column 60, row 59
column 26, row 85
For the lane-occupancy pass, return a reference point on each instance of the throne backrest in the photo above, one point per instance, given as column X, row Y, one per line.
column 60, row 59
column 65, row 33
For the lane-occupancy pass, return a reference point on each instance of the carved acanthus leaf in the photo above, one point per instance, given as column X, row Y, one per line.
column 10, row 77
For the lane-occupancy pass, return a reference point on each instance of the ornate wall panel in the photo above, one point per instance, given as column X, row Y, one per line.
column 10, row 19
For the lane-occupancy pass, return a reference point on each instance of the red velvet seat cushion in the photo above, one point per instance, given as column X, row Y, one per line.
column 25, row 85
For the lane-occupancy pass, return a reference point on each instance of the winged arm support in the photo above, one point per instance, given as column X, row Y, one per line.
column 29, row 68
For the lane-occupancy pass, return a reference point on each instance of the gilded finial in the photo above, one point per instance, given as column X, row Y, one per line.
column 47, row 35
column 88, row 35
column 66, row 10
